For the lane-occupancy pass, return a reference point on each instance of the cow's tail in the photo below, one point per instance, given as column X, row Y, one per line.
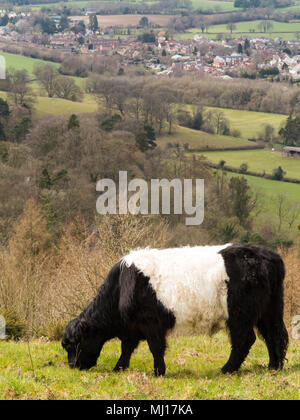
column 276, row 334
column 127, row 281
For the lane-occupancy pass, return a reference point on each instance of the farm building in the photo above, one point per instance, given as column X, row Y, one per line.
column 293, row 152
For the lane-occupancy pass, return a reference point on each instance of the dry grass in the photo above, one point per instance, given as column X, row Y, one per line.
column 292, row 284
column 45, row 282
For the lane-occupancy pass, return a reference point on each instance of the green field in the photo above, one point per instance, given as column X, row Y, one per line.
column 193, row 372
column 285, row 30
column 258, row 161
column 81, row 3
column 214, row 5
column 251, row 123
column 246, row 27
column 19, row 62
column 271, row 190
column 199, row 139
column 56, row 106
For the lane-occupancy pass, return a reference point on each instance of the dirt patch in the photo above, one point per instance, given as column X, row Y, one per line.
column 126, row 20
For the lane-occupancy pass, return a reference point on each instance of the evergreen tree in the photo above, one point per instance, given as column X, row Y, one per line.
column 21, row 129
column 241, row 198
column 4, row 109
column 4, row 20
column 197, row 121
column 63, row 24
column 93, row 23
column 73, row 122
column 291, row 132
column 145, row 139
column 278, row 174
column 144, row 23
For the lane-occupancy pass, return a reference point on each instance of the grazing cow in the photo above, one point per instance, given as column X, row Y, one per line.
column 194, row 290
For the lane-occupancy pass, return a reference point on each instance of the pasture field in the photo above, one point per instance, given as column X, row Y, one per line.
column 247, row 27
column 271, row 189
column 56, row 106
column 199, row 139
column 81, row 3
column 286, row 30
column 250, row 123
column 214, row 6
column 193, row 372
column 19, row 62
column 258, row 161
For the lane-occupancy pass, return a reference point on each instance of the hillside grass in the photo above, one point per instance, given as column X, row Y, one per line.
column 258, row 161
column 193, row 372
column 247, row 27
column 20, row 62
column 199, row 139
column 271, row 190
column 251, row 123
column 213, row 5
column 55, row 106
column 285, row 30
column 80, row 3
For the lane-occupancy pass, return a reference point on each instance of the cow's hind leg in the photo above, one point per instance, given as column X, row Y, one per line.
column 128, row 347
column 273, row 331
column 157, row 345
column 242, row 339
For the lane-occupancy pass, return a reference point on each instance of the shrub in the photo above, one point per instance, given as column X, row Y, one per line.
column 55, row 330
column 15, row 328
column 109, row 123
column 278, row 173
column 244, row 168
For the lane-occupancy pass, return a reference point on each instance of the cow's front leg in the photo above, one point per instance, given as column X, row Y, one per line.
column 128, row 346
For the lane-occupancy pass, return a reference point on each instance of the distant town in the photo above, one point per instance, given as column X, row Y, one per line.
column 247, row 56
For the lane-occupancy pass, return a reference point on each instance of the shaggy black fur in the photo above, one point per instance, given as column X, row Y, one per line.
column 126, row 307
column 255, row 299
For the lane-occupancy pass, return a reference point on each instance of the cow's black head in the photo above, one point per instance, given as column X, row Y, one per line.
column 82, row 344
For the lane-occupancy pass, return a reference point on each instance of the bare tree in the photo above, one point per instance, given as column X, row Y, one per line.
column 265, row 26
column 46, row 75
column 287, row 212
column 231, row 26
column 19, row 91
